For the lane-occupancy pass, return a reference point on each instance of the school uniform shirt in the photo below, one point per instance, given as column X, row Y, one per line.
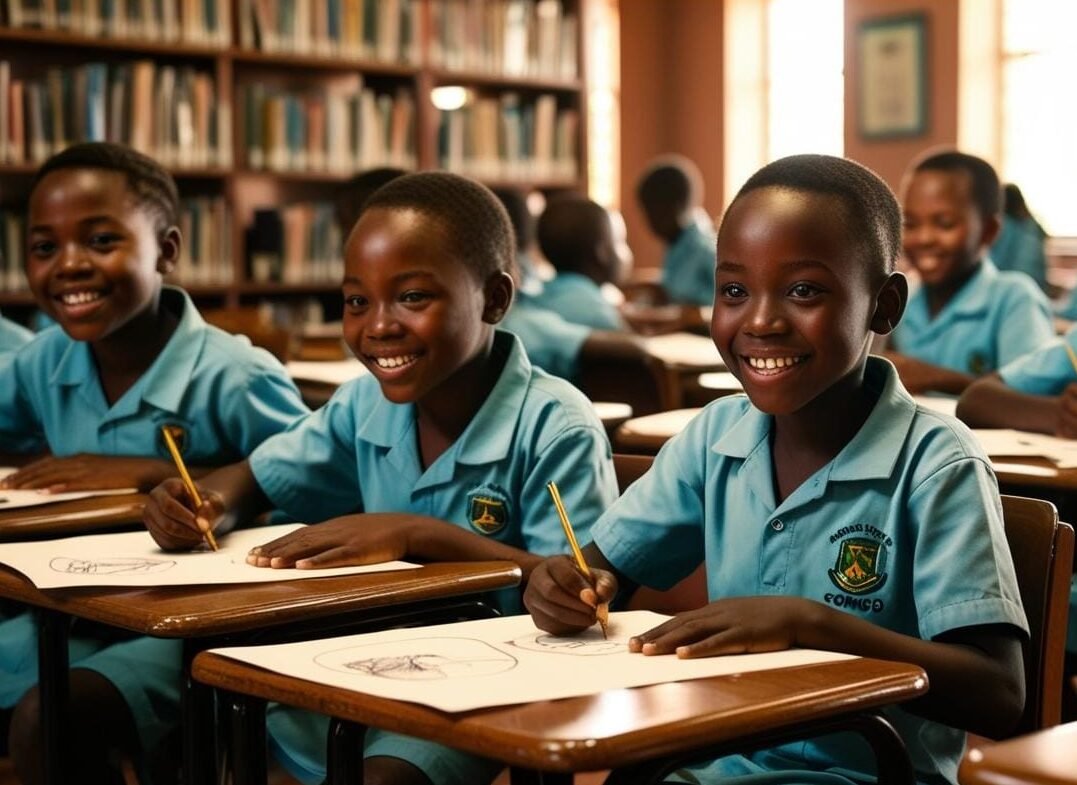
column 225, row 395
column 993, row 319
column 1019, row 247
column 1048, row 372
column 552, row 343
column 12, row 335
column 579, row 300
column 688, row 266
column 903, row 528
column 359, row 453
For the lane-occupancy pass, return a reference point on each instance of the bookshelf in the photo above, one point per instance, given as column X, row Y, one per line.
column 262, row 109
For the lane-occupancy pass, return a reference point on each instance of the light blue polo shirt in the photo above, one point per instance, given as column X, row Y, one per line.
column 993, row 319
column 579, row 300
column 552, row 343
column 688, row 266
column 12, row 335
column 903, row 529
column 359, row 453
column 226, row 395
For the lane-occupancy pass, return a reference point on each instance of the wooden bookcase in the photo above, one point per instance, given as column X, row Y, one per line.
column 500, row 89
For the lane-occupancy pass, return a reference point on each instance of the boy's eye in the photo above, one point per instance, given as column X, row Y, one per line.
column 414, row 297
column 103, row 239
column 804, row 290
column 42, row 248
column 734, row 291
column 354, row 302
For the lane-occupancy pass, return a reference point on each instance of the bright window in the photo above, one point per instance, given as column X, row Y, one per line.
column 603, row 102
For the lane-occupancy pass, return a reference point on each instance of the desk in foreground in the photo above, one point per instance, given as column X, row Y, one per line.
column 609, row 730
column 78, row 516
column 1048, row 757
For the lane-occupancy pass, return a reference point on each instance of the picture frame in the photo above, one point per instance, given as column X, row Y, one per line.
column 892, row 88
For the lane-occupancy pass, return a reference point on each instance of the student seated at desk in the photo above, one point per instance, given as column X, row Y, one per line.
column 830, row 510
column 967, row 318
column 442, row 453
column 670, row 192
column 586, row 245
column 128, row 356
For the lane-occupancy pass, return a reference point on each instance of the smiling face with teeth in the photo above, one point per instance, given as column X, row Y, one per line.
column 795, row 303
column 419, row 318
column 95, row 258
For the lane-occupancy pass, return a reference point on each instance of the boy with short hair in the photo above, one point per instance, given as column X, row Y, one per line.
column 967, row 318
column 826, row 486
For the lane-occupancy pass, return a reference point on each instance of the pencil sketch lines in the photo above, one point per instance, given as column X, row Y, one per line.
column 113, row 566
column 588, row 643
column 420, row 659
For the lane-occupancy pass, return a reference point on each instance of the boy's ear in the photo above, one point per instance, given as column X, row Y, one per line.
column 169, row 247
column 890, row 304
column 498, row 293
column 992, row 226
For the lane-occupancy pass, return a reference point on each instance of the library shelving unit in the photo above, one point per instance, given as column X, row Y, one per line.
column 263, row 109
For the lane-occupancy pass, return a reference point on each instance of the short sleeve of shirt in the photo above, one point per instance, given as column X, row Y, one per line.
column 1046, row 371
column 1027, row 324
column 21, row 429
column 963, row 575
column 309, row 471
column 266, row 404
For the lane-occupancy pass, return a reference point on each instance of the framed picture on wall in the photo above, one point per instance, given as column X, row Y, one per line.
column 892, row 65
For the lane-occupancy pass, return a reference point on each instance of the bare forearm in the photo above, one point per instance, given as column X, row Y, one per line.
column 957, row 672
column 989, row 403
column 944, row 380
column 241, row 496
column 431, row 539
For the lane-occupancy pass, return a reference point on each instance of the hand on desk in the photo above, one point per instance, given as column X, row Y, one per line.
column 561, row 600
column 739, row 625
column 171, row 520
column 1066, row 424
column 85, row 472
column 338, row 542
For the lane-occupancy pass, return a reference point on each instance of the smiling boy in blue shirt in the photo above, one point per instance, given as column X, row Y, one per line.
column 831, row 511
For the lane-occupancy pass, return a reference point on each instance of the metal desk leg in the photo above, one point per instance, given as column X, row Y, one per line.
column 54, row 690
column 198, row 719
column 249, row 747
column 345, row 752
column 891, row 756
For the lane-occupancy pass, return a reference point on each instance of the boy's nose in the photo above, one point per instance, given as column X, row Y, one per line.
column 383, row 321
column 73, row 259
column 765, row 318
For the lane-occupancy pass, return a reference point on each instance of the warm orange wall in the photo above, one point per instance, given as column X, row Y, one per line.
column 889, row 158
column 671, row 99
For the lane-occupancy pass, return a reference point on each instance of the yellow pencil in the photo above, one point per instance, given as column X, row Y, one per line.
column 602, row 612
column 188, row 483
column 1072, row 354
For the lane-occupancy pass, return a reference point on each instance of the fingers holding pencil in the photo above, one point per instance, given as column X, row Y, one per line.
column 175, row 521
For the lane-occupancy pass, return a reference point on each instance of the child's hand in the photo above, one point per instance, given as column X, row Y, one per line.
column 173, row 521
column 561, row 601
column 739, row 625
column 339, row 542
column 85, row 472
column 1066, row 425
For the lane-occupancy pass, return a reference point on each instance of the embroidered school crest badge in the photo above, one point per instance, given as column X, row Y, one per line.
column 978, row 364
column 488, row 510
column 859, row 568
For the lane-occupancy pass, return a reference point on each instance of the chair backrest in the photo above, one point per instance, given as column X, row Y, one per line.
column 1042, row 550
column 634, row 379
column 630, row 468
column 253, row 323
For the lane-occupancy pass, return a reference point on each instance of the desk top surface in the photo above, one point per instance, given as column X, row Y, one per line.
column 65, row 519
column 614, row 728
column 1048, row 757
column 204, row 611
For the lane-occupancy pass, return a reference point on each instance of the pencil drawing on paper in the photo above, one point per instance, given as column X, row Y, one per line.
column 420, row 659
column 587, row 644
column 112, row 566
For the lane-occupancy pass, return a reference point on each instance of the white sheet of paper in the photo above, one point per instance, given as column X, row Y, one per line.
column 685, row 349
column 13, row 499
column 133, row 559
column 328, row 372
column 1008, row 443
column 497, row 662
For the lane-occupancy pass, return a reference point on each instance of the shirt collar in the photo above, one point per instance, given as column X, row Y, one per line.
column 976, row 296
column 164, row 383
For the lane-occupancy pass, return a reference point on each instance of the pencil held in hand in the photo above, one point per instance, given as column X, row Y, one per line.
column 602, row 612
column 188, row 483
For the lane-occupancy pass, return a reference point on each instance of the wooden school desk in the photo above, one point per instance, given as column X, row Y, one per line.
column 1048, row 757
column 681, row 358
column 205, row 616
column 549, row 740
column 67, row 519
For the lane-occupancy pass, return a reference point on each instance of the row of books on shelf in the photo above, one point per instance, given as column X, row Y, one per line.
column 514, row 37
column 361, row 29
column 171, row 113
column 205, row 257
column 196, row 22
column 332, row 131
column 299, row 243
column 506, row 138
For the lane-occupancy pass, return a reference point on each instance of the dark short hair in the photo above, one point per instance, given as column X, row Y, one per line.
column 983, row 179
column 523, row 223
column 352, row 196
column 570, row 228
column 150, row 182
column 671, row 180
column 473, row 220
